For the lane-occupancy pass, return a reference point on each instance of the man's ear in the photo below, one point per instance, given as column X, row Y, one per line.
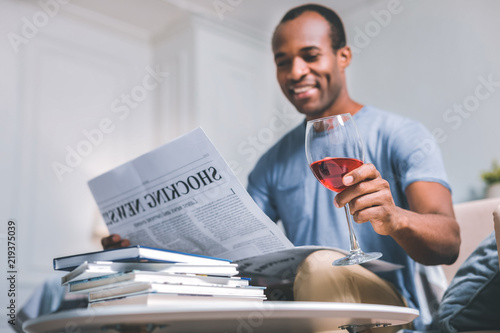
column 344, row 56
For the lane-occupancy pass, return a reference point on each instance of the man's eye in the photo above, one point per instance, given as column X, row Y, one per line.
column 282, row 63
column 311, row 57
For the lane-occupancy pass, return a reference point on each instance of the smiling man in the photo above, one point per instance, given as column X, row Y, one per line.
column 399, row 198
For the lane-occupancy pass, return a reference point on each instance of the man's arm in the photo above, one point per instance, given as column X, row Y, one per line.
column 428, row 232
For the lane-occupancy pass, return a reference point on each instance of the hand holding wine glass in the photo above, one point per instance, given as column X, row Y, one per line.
column 334, row 148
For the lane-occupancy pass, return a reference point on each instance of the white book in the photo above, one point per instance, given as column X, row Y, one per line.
column 89, row 270
column 142, row 287
column 122, row 279
column 135, row 253
column 155, row 299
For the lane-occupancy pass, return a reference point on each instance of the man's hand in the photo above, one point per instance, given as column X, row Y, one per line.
column 370, row 199
column 114, row 241
column 427, row 231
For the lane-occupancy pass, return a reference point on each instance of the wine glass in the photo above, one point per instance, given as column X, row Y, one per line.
column 334, row 148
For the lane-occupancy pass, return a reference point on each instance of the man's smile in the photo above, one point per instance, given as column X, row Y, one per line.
column 303, row 91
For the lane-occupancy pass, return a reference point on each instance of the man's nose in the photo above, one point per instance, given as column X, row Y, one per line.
column 298, row 70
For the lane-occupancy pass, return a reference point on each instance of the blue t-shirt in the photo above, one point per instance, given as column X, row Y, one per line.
column 284, row 187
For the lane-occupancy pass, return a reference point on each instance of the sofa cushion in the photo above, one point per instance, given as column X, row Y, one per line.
column 472, row 300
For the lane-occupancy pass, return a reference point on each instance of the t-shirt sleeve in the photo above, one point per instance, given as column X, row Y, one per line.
column 259, row 187
column 417, row 156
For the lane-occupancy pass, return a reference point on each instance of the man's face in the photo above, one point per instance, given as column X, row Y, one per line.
column 307, row 67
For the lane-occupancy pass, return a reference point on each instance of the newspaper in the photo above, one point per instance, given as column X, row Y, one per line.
column 282, row 265
column 183, row 196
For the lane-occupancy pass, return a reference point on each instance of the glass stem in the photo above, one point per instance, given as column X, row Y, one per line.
column 352, row 236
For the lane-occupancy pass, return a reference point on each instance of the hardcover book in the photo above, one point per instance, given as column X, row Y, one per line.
column 136, row 253
column 165, row 299
column 122, row 279
column 89, row 270
column 171, row 288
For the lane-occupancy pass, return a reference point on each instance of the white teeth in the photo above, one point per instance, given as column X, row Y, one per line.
column 302, row 89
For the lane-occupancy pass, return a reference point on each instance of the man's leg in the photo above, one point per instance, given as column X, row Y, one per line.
column 317, row 280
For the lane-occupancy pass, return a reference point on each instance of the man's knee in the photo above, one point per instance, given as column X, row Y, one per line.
column 318, row 280
column 318, row 266
column 319, row 260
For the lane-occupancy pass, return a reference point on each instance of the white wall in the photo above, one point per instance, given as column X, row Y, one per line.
column 57, row 88
column 426, row 61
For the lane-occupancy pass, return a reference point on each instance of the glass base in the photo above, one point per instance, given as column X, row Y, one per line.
column 356, row 258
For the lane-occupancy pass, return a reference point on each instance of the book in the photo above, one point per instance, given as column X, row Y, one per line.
column 121, row 279
column 135, row 253
column 171, row 288
column 89, row 270
column 155, row 299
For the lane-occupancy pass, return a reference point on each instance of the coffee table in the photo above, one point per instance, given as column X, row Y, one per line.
column 224, row 317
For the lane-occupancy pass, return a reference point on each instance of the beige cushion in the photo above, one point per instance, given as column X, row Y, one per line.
column 474, row 218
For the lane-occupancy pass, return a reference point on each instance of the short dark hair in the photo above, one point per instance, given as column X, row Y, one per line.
column 337, row 33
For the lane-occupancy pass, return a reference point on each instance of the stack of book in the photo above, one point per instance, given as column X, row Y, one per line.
column 148, row 276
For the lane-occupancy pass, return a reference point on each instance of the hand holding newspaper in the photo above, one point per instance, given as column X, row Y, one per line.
column 183, row 196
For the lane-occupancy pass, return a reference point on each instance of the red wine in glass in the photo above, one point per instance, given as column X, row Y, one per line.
column 329, row 171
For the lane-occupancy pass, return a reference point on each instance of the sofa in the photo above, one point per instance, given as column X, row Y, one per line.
column 471, row 302
column 476, row 223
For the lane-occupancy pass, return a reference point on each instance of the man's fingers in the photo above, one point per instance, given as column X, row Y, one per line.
column 364, row 202
column 362, row 185
column 355, row 191
column 110, row 240
column 364, row 172
column 114, row 241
